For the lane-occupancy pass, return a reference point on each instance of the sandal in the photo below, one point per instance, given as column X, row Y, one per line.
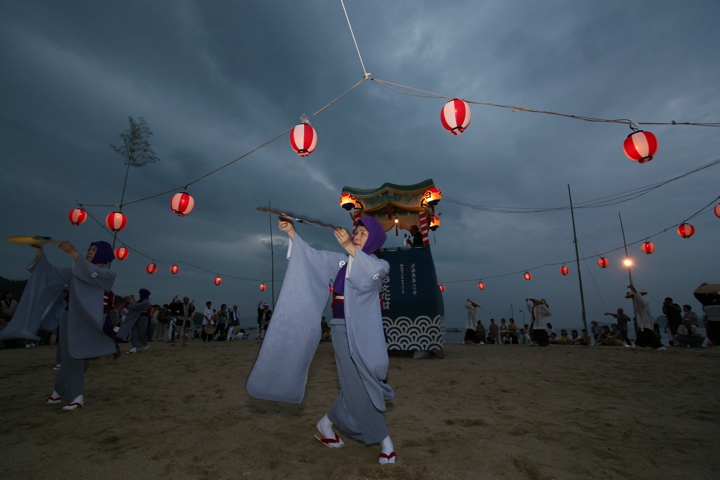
column 330, row 442
column 72, row 406
column 53, row 400
column 386, row 458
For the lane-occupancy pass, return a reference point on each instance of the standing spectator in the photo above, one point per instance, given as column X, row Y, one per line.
column 183, row 318
column 222, row 321
column 503, row 330
column 480, row 329
column 708, row 295
column 163, row 322
column 622, row 323
column 471, row 324
column 595, row 330
column 673, row 313
column 263, row 320
column 208, row 322
column 234, row 323
column 513, row 331
column 494, row 332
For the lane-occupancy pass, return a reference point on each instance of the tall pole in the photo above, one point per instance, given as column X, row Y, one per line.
column 577, row 263
column 272, row 261
column 627, row 264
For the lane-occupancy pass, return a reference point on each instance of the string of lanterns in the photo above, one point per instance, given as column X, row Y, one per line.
column 639, row 146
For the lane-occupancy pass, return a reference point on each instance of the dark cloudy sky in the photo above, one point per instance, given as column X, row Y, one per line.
column 215, row 80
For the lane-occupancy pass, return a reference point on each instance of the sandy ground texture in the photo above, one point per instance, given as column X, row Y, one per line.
column 482, row 412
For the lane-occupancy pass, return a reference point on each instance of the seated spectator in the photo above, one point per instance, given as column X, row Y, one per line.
column 576, row 339
column 610, row 339
column 524, row 338
column 563, row 339
column 688, row 335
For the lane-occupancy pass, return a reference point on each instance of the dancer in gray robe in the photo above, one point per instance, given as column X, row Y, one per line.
column 280, row 371
column 81, row 335
column 136, row 321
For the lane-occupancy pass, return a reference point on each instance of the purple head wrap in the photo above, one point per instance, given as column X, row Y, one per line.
column 376, row 239
column 144, row 293
column 104, row 253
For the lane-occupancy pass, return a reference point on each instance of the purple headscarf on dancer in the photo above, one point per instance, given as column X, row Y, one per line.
column 104, row 253
column 376, row 239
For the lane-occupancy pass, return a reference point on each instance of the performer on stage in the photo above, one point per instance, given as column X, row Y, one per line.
column 645, row 335
column 280, row 372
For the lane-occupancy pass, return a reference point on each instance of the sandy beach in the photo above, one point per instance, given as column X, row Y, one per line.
column 482, row 412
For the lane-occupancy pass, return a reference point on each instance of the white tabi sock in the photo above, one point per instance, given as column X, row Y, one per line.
column 324, row 426
column 387, row 448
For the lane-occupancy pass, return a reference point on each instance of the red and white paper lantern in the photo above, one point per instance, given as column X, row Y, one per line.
column 303, row 139
column 455, row 116
column 151, row 268
column 218, row 280
column 648, row 247
column 640, row 146
column 686, row 230
column 481, row 285
column 116, row 221
column 182, row 204
column 564, row 270
column 527, row 276
column 262, row 287
column 603, row 262
column 77, row 216
column 121, row 253
column 174, row 269
column 442, row 288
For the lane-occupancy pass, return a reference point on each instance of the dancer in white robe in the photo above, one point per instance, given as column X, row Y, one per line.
column 280, row 372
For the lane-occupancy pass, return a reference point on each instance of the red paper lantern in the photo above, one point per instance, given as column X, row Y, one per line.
column 686, row 230
column 218, row 280
column 121, row 253
column 262, row 287
column 174, row 269
column 481, row 286
column 116, row 221
column 432, row 196
column 648, row 247
column 182, row 204
column 455, row 116
column 564, row 270
column 527, row 276
column 77, row 216
column 640, row 146
column 603, row 262
column 717, row 210
column 442, row 288
column 303, row 139
column 151, row 268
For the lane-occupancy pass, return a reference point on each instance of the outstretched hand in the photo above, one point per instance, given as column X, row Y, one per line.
column 69, row 249
column 287, row 227
column 345, row 240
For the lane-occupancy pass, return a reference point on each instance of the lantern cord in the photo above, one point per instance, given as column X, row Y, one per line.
column 238, row 158
column 704, row 209
column 609, row 200
column 367, row 75
column 624, row 121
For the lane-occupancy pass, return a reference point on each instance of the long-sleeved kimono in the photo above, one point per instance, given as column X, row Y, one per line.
column 280, row 371
column 136, row 322
column 42, row 302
